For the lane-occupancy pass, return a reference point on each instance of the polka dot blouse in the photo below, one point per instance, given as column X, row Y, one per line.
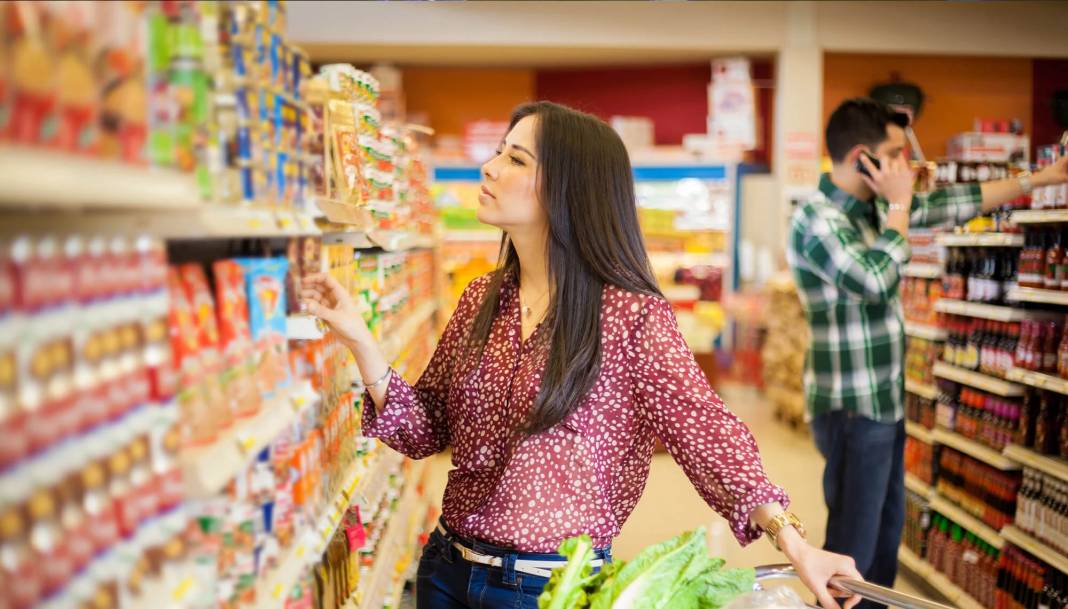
column 586, row 474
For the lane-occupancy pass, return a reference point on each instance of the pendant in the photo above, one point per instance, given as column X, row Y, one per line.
column 526, row 311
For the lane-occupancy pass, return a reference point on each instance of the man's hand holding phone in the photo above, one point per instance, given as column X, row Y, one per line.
column 893, row 180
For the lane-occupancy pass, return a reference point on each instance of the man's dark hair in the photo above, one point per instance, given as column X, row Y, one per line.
column 860, row 120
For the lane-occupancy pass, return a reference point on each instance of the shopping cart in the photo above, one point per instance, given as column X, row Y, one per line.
column 866, row 590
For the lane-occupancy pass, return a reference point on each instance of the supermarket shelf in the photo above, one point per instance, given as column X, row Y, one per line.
column 939, row 582
column 993, row 312
column 408, row 331
column 923, row 271
column 347, row 214
column 952, row 511
column 1021, row 539
column 928, row 392
column 208, row 469
column 925, row 332
column 688, row 259
column 974, row 449
column 204, row 221
column 309, row 545
column 34, row 179
column 1038, row 379
column 390, row 241
column 393, row 241
column 919, row 432
column 1040, row 216
column 977, row 380
column 1058, row 468
column 981, row 240
column 918, row 486
column 1054, row 297
column 914, row 563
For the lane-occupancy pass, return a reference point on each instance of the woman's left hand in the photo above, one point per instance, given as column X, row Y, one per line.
column 816, row 567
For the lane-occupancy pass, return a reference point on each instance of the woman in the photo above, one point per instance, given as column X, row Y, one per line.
column 554, row 377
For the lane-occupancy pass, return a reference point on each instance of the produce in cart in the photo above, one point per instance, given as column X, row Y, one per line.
column 677, row 573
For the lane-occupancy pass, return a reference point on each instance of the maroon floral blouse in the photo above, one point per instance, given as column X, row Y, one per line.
column 586, row 474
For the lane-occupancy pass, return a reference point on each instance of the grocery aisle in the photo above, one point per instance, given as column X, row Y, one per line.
column 671, row 506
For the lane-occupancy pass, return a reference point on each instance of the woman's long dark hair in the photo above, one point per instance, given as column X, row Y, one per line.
column 587, row 188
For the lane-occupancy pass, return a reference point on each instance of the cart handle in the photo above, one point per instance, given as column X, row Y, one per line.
column 861, row 588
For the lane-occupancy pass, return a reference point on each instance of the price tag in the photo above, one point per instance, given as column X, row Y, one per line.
column 246, row 444
column 300, row 551
column 285, row 221
column 182, row 590
column 277, row 592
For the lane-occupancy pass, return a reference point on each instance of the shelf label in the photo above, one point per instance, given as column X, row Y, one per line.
column 277, row 592
column 182, row 590
column 246, row 444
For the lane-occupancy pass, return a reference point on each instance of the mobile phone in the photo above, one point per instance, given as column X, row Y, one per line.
column 864, row 170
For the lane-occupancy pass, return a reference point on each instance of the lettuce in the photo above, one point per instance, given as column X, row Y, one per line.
column 675, row 574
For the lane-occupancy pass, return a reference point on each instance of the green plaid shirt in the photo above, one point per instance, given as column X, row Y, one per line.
column 848, row 271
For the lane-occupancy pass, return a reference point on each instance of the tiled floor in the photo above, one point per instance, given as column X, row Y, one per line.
column 671, row 506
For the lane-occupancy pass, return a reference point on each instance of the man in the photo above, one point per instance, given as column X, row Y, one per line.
column 846, row 249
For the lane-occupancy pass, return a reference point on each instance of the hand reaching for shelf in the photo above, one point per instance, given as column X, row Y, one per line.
column 322, row 296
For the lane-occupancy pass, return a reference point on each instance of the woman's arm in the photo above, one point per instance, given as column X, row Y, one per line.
column 815, row 567
column 714, row 447
column 412, row 420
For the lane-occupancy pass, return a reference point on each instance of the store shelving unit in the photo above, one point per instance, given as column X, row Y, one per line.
column 208, row 469
column 918, row 486
column 939, row 582
column 1052, row 297
column 919, row 432
column 922, row 271
column 393, row 345
column 952, row 511
column 924, row 331
column 929, row 392
column 44, row 180
column 980, row 240
column 1040, row 216
column 1021, row 539
column 311, row 543
column 1039, row 380
column 974, row 449
column 979, row 381
column 992, row 312
column 1052, row 466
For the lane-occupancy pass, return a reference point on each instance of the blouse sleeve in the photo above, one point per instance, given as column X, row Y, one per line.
column 714, row 448
column 413, row 420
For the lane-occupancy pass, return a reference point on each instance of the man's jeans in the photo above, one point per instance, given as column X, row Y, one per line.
column 864, row 487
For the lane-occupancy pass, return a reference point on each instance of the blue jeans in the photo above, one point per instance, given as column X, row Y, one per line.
column 446, row 581
column 864, row 487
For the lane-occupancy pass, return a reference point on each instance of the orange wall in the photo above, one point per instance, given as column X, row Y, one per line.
column 957, row 89
column 451, row 97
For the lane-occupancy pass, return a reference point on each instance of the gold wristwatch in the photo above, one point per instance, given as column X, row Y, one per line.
column 783, row 519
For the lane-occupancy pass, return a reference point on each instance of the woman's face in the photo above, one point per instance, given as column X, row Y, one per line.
column 509, row 197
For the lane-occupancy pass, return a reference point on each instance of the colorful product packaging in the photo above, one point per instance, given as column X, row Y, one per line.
column 265, row 281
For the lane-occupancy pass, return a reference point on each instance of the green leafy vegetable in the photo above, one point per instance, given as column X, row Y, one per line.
column 675, row 574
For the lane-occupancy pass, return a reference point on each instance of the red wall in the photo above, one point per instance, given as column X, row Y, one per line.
column 1050, row 75
column 675, row 97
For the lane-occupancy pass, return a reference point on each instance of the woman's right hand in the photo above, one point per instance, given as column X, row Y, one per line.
column 322, row 296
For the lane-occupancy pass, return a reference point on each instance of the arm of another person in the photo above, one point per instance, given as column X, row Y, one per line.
column 411, row 420
column 962, row 202
column 714, row 448
column 834, row 250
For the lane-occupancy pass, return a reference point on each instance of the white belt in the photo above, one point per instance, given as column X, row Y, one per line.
column 539, row 568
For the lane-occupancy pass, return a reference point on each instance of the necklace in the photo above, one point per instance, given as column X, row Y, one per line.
column 526, row 310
